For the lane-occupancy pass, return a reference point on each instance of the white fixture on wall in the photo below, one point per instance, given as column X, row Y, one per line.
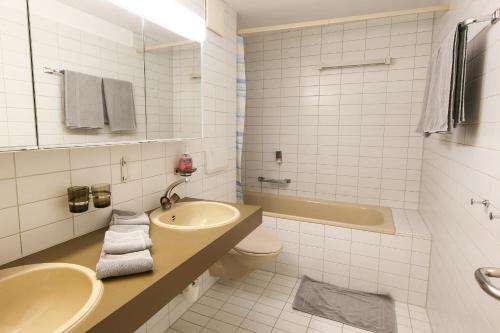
column 168, row 14
column 214, row 15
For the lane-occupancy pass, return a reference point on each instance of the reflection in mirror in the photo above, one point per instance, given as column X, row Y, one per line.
column 17, row 116
column 77, row 46
column 173, row 84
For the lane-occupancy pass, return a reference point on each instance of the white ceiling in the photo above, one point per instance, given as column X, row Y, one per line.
column 257, row 13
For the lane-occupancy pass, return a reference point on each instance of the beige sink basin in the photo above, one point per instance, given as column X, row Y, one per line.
column 195, row 215
column 50, row 297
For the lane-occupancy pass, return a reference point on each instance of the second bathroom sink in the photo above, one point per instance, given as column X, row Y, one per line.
column 50, row 297
column 195, row 215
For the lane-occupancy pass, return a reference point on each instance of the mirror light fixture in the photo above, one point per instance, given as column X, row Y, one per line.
column 168, row 14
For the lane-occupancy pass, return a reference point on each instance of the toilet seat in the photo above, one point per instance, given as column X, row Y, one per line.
column 259, row 242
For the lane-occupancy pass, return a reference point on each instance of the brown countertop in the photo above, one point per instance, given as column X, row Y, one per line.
column 179, row 257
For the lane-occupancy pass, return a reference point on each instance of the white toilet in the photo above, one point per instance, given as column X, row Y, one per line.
column 256, row 250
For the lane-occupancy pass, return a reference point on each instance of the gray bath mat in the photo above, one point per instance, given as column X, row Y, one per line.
column 364, row 310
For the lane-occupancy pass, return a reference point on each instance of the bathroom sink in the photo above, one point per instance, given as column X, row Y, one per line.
column 195, row 215
column 50, row 297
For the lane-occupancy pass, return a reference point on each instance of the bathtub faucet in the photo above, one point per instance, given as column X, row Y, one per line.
column 169, row 199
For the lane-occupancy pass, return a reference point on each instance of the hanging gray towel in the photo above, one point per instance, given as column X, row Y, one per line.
column 459, row 98
column 443, row 105
column 83, row 102
column 119, row 104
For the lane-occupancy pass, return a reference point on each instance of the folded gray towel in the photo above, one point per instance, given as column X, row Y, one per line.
column 119, row 103
column 125, row 242
column 129, row 218
column 124, row 228
column 123, row 264
column 83, row 100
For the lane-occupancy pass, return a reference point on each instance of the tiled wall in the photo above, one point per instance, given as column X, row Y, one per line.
column 173, row 92
column 159, row 94
column 460, row 166
column 17, row 121
column 187, row 90
column 395, row 264
column 346, row 134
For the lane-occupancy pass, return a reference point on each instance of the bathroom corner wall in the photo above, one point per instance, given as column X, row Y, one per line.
column 346, row 134
column 33, row 208
column 456, row 168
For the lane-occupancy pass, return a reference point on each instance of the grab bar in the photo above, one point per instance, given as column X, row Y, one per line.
column 274, row 181
column 482, row 277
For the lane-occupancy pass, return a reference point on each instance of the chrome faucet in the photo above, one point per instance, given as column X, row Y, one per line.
column 168, row 200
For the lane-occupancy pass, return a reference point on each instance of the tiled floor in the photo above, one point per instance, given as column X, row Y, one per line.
column 262, row 303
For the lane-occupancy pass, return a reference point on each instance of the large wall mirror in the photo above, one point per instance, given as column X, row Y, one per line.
column 104, row 75
column 79, row 47
column 17, row 117
column 173, row 84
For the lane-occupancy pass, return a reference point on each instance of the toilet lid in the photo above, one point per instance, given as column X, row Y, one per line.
column 259, row 242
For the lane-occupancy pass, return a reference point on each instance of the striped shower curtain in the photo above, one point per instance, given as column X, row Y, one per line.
column 241, row 93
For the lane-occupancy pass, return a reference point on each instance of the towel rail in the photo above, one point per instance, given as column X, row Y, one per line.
column 48, row 70
column 482, row 276
column 274, row 181
column 493, row 18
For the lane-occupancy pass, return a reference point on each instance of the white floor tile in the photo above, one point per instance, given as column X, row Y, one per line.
column 262, row 303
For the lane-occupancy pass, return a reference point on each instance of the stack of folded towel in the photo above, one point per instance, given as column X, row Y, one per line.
column 126, row 246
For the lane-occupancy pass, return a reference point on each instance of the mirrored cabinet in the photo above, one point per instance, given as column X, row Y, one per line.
column 17, row 114
column 173, row 84
column 101, row 75
column 76, row 50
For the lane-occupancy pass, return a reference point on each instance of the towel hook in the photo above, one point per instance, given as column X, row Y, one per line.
column 485, row 203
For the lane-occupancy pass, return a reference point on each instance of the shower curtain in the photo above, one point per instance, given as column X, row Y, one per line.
column 241, row 93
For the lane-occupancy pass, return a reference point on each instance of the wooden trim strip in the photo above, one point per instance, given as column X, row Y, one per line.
column 345, row 19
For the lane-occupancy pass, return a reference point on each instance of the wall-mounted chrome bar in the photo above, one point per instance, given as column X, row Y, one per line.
column 493, row 18
column 274, row 181
column 482, row 276
column 48, row 70
column 381, row 61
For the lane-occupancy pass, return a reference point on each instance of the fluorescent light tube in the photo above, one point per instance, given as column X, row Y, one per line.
column 168, row 14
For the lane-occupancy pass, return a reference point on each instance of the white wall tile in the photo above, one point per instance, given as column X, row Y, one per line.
column 89, row 157
column 129, row 152
column 8, row 197
column 10, row 248
column 7, row 166
column 9, row 222
column 38, row 162
column 91, row 176
column 90, row 221
column 40, row 187
column 41, row 238
column 43, row 212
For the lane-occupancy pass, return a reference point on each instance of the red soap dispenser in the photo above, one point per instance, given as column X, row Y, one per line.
column 185, row 163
